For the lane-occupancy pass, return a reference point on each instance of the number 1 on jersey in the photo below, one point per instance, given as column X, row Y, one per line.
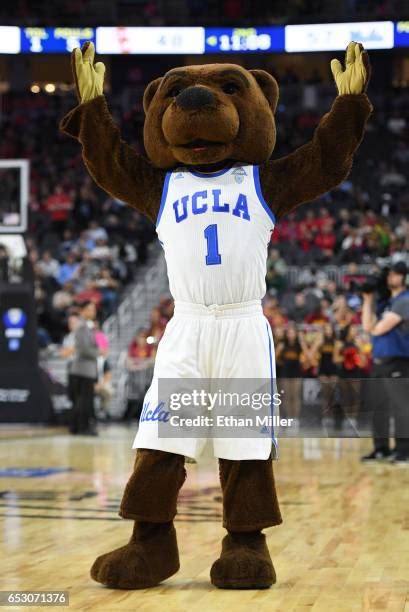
column 213, row 257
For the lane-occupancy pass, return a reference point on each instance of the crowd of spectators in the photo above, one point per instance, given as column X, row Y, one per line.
column 196, row 12
column 317, row 334
column 142, row 348
column 82, row 244
column 320, row 256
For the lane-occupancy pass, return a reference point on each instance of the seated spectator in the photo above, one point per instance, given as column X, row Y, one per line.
column 109, row 289
column 59, row 206
column 306, row 232
column 275, row 281
column 352, row 245
column 326, row 241
column 68, row 269
column 167, row 307
column 157, row 324
column 276, row 271
column 139, row 349
column 48, row 266
column 391, row 177
column 289, row 354
column 85, row 203
column 343, row 314
column 273, row 312
column 63, row 298
column 90, row 293
column 85, row 243
column 276, row 261
column 101, row 250
column 299, row 311
column 97, row 232
column 317, row 317
column 67, row 243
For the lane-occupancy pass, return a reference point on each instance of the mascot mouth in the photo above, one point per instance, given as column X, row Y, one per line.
column 200, row 144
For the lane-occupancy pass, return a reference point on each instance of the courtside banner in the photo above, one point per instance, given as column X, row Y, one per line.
column 24, row 396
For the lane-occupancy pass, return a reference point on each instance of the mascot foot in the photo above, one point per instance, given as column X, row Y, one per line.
column 150, row 557
column 244, row 563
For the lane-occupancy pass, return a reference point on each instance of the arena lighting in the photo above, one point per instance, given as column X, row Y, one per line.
column 201, row 41
column 35, row 88
column 49, row 88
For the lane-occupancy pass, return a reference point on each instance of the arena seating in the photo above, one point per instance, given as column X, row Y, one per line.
column 83, row 244
column 193, row 12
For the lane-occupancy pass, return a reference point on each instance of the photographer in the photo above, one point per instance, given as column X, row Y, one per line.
column 390, row 340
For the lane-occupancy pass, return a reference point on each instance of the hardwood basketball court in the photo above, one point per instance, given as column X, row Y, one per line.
column 343, row 546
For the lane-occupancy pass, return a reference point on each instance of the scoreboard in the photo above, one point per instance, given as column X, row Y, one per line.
column 241, row 40
column 54, row 40
column 154, row 40
column 201, row 41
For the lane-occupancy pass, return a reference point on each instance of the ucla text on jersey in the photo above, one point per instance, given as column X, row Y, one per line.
column 202, row 201
column 214, row 229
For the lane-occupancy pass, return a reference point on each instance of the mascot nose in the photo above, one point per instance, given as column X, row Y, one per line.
column 193, row 98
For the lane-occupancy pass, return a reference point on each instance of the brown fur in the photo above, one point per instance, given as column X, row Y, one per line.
column 112, row 163
column 244, row 563
column 237, row 125
column 249, row 495
column 243, row 124
column 249, row 505
column 152, row 490
column 150, row 556
column 322, row 163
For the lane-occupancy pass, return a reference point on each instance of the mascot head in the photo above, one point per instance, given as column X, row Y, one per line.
column 209, row 114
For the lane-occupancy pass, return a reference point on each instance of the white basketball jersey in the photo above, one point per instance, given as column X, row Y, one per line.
column 214, row 229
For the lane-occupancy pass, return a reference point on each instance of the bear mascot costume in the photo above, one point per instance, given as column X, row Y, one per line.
column 214, row 193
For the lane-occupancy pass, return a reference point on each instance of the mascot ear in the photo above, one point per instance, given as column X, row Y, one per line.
column 268, row 86
column 150, row 91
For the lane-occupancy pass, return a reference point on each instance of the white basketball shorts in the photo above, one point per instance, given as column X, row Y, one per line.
column 232, row 341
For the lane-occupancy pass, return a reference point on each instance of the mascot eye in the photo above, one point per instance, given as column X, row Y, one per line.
column 174, row 91
column 230, row 88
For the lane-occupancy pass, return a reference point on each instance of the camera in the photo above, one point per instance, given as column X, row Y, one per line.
column 371, row 284
column 375, row 283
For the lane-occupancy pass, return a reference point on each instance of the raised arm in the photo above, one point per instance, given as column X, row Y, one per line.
column 326, row 160
column 113, row 164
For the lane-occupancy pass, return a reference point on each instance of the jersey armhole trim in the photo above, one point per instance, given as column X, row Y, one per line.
column 257, row 185
column 164, row 196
